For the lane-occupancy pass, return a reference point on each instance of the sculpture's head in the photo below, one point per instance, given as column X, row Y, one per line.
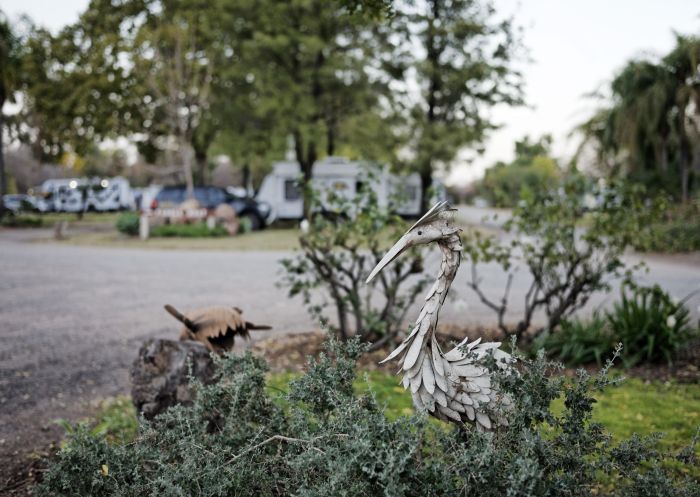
column 435, row 225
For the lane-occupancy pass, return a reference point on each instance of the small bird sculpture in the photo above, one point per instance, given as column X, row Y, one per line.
column 215, row 327
column 451, row 386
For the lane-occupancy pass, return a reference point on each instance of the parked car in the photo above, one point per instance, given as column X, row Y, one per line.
column 209, row 197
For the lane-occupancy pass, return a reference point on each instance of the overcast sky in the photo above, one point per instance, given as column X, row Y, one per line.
column 575, row 46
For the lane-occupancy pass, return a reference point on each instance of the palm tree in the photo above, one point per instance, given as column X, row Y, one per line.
column 683, row 66
column 647, row 126
column 9, row 78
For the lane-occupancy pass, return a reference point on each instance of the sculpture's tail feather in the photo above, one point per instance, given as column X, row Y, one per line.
column 181, row 317
column 252, row 326
column 455, row 387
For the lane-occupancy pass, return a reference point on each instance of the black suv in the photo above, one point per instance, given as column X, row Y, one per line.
column 209, row 197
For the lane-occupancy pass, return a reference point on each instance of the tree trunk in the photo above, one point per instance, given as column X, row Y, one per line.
column 201, row 160
column 3, row 183
column 306, row 162
column 186, row 157
column 433, row 57
column 330, row 137
column 684, row 159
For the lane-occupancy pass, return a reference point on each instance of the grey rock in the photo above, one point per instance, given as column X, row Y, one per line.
column 159, row 375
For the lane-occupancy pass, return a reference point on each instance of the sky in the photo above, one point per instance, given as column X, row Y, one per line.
column 575, row 47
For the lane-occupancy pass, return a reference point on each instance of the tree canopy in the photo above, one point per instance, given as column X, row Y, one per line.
column 649, row 127
column 184, row 78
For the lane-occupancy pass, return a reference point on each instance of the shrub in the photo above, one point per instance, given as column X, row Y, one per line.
column 650, row 325
column 21, row 221
column 195, row 230
column 324, row 439
column 570, row 249
column 579, row 341
column 128, row 223
column 337, row 254
column 677, row 231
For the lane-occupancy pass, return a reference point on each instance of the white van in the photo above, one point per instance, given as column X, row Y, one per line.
column 342, row 177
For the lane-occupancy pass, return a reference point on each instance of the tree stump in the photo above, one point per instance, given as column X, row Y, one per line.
column 159, row 376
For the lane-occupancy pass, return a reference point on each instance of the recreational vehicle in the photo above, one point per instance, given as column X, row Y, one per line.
column 81, row 194
column 344, row 178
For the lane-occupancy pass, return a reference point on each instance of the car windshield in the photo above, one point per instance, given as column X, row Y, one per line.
column 174, row 195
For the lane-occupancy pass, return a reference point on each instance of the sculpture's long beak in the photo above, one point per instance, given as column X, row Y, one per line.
column 396, row 250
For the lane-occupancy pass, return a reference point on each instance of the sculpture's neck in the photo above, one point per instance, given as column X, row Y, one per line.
column 451, row 248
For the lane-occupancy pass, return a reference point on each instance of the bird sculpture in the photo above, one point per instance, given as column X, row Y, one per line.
column 215, row 327
column 452, row 386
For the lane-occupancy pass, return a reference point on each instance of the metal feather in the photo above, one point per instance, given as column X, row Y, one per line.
column 452, row 386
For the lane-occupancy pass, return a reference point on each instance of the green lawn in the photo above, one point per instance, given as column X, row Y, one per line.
column 631, row 407
column 269, row 239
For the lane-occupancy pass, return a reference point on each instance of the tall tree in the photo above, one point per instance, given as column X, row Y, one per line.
column 10, row 62
column 648, row 128
column 310, row 64
column 464, row 68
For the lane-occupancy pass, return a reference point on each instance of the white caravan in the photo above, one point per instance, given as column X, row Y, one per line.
column 81, row 194
column 342, row 177
column 110, row 194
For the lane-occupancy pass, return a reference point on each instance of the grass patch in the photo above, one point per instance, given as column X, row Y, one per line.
column 270, row 239
column 632, row 407
column 196, row 230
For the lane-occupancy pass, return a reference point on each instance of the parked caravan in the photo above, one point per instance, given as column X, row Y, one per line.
column 81, row 194
column 344, row 178
column 110, row 194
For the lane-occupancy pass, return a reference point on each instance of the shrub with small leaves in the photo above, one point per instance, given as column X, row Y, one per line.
column 347, row 237
column 570, row 241
column 128, row 223
column 323, row 439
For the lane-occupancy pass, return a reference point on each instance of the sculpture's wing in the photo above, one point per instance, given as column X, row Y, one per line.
column 218, row 325
column 455, row 387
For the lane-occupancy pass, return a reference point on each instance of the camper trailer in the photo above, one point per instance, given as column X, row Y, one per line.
column 344, row 178
column 110, row 194
column 81, row 194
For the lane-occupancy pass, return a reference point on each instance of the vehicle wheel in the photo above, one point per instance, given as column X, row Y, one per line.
column 252, row 220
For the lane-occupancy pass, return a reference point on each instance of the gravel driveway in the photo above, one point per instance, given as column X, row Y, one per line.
column 73, row 317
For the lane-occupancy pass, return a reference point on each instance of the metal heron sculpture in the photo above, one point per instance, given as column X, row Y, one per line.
column 451, row 386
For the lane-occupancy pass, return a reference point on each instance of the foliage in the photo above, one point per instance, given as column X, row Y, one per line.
column 648, row 129
column 184, row 82
column 571, row 242
column 579, row 341
column 463, row 55
column 128, row 223
column 10, row 81
column 325, row 439
column 338, row 253
column 677, row 231
column 532, row 172
column 21, row 221
column 650, row 325
column 194, row 230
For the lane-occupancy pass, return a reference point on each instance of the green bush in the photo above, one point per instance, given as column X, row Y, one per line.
column 579, row 341
column 324, row 439
column 347, row 237
column 195, row 230
column 128, row 223
column 21, row 221
column 676, row 234
column 650, row 325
